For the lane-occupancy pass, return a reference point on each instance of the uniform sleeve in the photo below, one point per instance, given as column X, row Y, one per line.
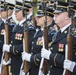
column 16, row 49
column 74, row 70
column 35, row 59
column 57, row 59
column 31, row 32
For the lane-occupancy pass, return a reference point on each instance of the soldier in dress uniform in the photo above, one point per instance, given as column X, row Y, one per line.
column 11, row 23
column 34, row 57
column 71, row 65
column 56, row 55
column 17, row 39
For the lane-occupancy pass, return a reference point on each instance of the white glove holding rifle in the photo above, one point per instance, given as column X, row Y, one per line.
column 45, row 53
column 26, row 56
column 6, row 48
column 69, row 65
column 6, row 63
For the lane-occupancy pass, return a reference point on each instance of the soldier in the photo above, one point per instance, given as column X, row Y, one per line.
column 71, row 65
column 56, row 55
column 17, row 39
column 3, row 19
column 34, row 57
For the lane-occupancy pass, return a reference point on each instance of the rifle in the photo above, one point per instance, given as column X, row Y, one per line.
column 34, row 4
column 45, row 34
column 26, row 44
column 43, row 63
column 5, row 68
column 69, row 46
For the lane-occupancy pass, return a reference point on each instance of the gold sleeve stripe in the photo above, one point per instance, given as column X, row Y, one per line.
column 14, row 51
column 35, row 60
column 55, row 59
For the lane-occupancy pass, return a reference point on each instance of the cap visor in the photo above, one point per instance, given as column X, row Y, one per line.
column 57, row 11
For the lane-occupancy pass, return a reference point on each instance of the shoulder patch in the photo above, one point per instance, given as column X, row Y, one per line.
column 11, row 20
column 29, row 23
column 31, row 27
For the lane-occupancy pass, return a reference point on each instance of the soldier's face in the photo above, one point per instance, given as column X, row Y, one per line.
column 19, row 15
column 3, row 14
column 40, row 21
column 60, row 18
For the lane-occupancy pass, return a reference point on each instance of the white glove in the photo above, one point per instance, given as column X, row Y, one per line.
column 45, row 53
column 26, row 56
column 6, row 48
column 6, row 63
column 69, row 65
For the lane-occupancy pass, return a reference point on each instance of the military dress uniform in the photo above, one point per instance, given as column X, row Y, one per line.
column 17, row 46
column 58, row 52
column 57, row 48
column 37, row 46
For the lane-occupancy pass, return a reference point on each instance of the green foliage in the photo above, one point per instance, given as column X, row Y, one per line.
column 35, row 7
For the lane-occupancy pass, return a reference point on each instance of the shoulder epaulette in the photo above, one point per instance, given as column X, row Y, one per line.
column 29, row 23
column 12, row 21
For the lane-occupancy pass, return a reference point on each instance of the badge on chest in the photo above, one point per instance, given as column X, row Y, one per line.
column 2, row 31
column 61, row 47
column 39, row 41
column 18, row 36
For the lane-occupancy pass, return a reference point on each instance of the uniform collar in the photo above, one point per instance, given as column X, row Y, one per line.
column 65, row 27
column 4, row 20
column 9, row 17
column 28, row 16
column 22, row 21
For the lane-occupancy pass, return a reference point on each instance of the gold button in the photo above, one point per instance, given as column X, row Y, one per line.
column 32, row 47
column 11, row 41
column 32, row 42
column 51, row 48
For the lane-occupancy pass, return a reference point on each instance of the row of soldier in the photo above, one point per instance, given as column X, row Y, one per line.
column 58, row 23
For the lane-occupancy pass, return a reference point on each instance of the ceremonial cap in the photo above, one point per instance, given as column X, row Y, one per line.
column 9, row 5
column 1, row 5
column 61, row 7
column 74, row 4
column 19, row 6
column 28, row 4
column 49, row 12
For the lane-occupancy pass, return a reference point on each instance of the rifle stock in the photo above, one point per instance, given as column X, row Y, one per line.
column 26, row 50
column 45, row 34
column 6, row 56
column 26, row 42
column 69, row 53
